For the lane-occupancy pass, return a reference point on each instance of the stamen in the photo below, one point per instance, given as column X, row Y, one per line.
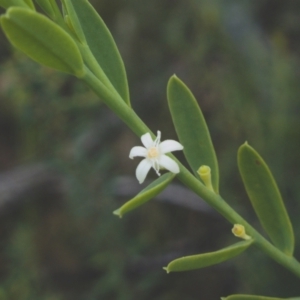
column 152, row 152
column 157, row 140
column 156, row 167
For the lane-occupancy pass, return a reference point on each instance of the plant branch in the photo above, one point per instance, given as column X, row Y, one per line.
column 125, row 113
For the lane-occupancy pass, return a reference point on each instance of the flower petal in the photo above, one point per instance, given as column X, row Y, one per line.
column 142, row 170
column 169, row 164
column 169, row 146
column 137, row 151
column 147, row 140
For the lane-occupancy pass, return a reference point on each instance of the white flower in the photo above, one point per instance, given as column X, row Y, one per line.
column 154, row 153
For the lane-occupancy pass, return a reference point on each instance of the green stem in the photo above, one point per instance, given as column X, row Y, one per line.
column 93, row 65
column 114, row 101
column 85, row 50
column 125, row 113
column 218, row 203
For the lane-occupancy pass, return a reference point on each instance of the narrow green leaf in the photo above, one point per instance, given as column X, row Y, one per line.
column 73, row 19
column 265, row 198
column 146, row 194
column 42, row 40
column 253, row 297
column 30, row 4
column 51, row 8
column 103, row 46
column 47, row 7
column 207, row 259
column 8, row 3
column 191, row 129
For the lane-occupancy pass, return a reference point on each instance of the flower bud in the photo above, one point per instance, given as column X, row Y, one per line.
column 205, row 174
column 239, row 231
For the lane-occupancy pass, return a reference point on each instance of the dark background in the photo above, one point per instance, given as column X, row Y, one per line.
column 64, row 163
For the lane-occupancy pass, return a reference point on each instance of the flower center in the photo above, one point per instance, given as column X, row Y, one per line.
column 153, row 152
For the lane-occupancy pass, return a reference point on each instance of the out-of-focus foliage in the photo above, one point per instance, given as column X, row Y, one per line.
column 241, row 60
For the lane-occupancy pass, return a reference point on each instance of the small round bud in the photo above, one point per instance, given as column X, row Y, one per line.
column 239, row 231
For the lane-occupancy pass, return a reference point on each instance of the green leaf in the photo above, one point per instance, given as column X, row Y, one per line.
column 265, row 198
column 8, row 3
column 253, row 297
column 207, row 259
column 146, row 194
column 47, row 7
column 51, row 8
column 103, row 46
column 42, row 40
column 30, row 4
column 191, row 129
column 71, row 15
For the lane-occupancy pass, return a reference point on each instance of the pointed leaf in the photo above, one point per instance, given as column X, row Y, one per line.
column 265, row 198
column 51, row 8
column 191, row 129
column 207, row 259
column 47, row 7
column 103, row 46
column 254, row 297
column 146, row 194
column 71, row 14
column 30, row 4
column 42, row 40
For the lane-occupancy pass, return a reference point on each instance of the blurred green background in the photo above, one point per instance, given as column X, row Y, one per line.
column 64, row 156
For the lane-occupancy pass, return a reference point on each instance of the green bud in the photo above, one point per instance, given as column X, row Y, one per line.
column 205, row 174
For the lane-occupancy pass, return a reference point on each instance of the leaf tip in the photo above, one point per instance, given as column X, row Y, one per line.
column 166, row 269
column 118, row 213
column 9, row 10
column 173, row 78
column 244, row 146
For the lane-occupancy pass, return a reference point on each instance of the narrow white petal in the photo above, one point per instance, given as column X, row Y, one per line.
column 147, row 140
column 169, row 164
column 142, row 170
column 137, row 151
column 169, row 146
